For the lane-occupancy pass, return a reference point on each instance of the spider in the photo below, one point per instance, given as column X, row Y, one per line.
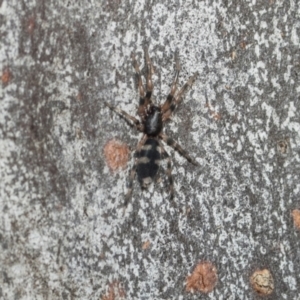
column 150, row 151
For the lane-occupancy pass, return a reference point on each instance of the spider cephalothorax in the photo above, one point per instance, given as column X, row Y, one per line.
column 150, row 150
column 153, row 121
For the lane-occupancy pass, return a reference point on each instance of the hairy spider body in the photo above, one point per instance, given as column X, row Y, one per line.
column 150, row 150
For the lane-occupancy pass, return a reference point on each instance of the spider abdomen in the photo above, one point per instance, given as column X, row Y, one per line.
column 148, row 162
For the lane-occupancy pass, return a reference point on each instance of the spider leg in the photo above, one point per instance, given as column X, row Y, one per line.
column 149, row 83
column 168, row 170
column 169, row 141
column 133, row 170
column 142, row 101
column 128, row 118
column 170, row 97
column 178, row 97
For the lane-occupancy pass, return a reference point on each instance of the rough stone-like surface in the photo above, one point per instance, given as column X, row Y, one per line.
column 63, row 234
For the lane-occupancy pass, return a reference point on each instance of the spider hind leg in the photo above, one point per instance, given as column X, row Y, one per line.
column 170, row 142
column 168, row 171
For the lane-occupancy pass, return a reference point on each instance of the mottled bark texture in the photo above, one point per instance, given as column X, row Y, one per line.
column 63, row 234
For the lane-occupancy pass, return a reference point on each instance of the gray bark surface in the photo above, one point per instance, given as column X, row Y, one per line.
column 63, row 234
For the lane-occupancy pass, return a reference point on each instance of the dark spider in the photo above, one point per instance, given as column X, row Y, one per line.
column 150, row 150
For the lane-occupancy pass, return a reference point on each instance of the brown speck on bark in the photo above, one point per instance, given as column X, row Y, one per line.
column 216, row 116
column 115, row 292
column 116, row 154
column 6, row 76
column 79, row 96
column 233, row 55
column 296, row 217
column 204, row 278
column 243, row 45
column 283, row 146
column 146, row 245
column 188, row 211
column 78, row 133
column 31, row 25
column 262, row 282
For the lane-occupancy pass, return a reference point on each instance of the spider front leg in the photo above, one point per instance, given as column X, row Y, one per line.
column 170, row 142
column 165, row 107
column 178, row 97
column 127, row 117
column 133, row 170
column 168, row 170
column 149, row 83
column 143, row 101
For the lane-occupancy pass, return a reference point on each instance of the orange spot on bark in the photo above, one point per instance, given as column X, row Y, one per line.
column 146, row 245
column 115, row 292
column 204, row 278
column 30, row 25
column 6, row 76
column 296, row 217
column 116, row 154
